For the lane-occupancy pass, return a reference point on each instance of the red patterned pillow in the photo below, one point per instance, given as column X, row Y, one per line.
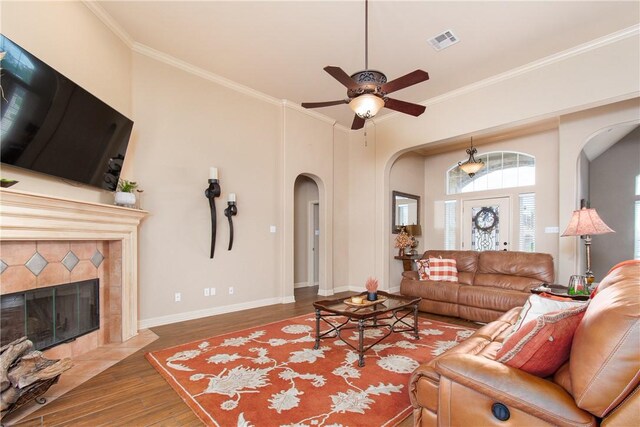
column 542, row 345
column 423, row 269
column 443, row 270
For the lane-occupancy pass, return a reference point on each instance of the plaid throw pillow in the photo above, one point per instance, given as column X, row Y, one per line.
column 423, row 269
column 443, row 270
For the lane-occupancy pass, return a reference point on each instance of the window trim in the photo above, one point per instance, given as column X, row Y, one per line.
column 449, row 192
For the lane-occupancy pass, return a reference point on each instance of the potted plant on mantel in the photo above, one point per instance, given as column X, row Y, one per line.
column 124, row 193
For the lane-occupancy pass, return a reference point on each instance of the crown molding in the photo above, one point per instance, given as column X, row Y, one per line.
column 109, row 22
column 552, row 59
column 297, row 107
column 197, row 71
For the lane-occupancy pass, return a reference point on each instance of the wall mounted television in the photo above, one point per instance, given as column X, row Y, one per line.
column 53, row 126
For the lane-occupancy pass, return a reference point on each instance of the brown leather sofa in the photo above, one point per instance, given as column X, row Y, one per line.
column 489, row 283
column 599, row 385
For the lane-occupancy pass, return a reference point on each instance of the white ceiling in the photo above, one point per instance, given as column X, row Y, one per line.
column 280, row 47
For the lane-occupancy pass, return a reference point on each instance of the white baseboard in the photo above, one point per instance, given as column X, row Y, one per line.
column 325, row 292
column 348, row 288
column 304, row 285
column 395, row 290
column 191, row 315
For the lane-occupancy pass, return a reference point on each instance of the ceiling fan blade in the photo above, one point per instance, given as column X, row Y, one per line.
column 339, row 74
column 405, row 81
column 323, row 104
column 404, row 107
column 358, row 122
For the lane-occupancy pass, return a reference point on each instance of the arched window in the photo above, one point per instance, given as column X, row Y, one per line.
column 502, row 169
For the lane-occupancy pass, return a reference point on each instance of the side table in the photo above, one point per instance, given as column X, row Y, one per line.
column 558, row 291
column 407, row 261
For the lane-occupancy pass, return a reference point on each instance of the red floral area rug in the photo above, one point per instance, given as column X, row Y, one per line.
column 271, row 375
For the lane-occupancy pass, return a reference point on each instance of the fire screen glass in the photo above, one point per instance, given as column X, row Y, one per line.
column 50, row 316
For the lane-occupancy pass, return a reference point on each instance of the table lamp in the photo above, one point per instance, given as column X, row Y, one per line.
column 586, row 222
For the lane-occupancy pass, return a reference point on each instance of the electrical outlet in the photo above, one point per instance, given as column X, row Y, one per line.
column 206, row 292
column 212, row 291
column 272, row 229
column 230, row 290
column 178, row 297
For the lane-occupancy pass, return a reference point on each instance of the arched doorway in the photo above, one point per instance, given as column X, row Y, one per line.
column 609, row 181
column 306, row 236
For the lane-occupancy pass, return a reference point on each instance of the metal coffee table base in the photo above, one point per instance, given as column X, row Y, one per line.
column 394, row 322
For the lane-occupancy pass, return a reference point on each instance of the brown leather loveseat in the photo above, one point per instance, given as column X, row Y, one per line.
column 489, row 283
column 599, row 385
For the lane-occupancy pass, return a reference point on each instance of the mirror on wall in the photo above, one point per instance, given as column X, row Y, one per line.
column 405, row 210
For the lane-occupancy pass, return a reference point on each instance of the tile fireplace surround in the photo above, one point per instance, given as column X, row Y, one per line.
column 46, row 241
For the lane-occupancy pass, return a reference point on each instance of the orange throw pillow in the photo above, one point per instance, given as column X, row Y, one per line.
column 542, row 345
column 443, row 270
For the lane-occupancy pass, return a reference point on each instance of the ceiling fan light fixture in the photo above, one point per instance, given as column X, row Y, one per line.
column 366, row 105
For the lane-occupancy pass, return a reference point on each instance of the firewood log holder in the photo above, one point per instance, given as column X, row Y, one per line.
column 33, row 393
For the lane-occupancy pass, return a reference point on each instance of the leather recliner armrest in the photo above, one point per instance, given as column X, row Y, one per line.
column 412, row 275
column 514, row 387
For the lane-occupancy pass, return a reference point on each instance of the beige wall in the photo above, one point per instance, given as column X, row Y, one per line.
column 186, row 125
column 363, row 244
column 613, row 195
column 575, row 132
column 305, row 192
column 543, row 146
column 68, row 36
column 407, row 176
column 537, row 92
column 341, row 209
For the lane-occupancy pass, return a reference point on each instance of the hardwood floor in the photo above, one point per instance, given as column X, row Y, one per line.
column 132, row 393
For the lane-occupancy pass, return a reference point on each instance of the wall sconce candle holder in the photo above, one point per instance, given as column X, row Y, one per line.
column 230, row 212
column 211, row 193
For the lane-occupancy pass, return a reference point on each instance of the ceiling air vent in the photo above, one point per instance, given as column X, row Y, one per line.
column 443, row 40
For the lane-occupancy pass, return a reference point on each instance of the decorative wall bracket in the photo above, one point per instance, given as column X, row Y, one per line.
column 230, row 212
column 211, row 193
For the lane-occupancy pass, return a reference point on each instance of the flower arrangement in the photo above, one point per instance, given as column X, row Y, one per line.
column 403, row 240
column 371, row 284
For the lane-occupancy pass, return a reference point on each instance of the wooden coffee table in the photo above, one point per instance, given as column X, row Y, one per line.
column 391, row 313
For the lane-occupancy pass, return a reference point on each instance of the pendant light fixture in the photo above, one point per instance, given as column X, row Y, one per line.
column 471, row 166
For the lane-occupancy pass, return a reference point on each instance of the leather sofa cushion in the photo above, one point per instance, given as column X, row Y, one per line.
column 517, row 283
column 436, row 291
column 439, row 307
column 524, row 264
column 465, row 260
column 604, row 362
column 491, row 298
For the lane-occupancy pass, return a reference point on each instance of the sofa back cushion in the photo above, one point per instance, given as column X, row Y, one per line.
column 604, row 363
column 514, row 270
column 466, row 262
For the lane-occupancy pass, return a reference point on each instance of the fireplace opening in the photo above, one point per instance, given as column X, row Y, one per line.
column 51, row 316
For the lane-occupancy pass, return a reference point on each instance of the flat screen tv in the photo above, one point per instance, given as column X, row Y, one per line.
column 53, row 126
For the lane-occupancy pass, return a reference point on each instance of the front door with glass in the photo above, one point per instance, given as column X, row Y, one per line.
column 486, row 224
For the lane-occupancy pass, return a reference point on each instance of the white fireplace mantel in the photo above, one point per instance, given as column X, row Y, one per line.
column 29, row 216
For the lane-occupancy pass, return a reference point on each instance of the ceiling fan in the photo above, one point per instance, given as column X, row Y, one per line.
column 367, row 90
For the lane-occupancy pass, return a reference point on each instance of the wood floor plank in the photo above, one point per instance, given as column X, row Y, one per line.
column 132, row 393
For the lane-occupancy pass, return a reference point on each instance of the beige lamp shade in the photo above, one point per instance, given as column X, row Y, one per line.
column 367, row 105
column 586, row 222
column 414, row 230
column 470, row 168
